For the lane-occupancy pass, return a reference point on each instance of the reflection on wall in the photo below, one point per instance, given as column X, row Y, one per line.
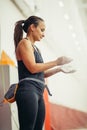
column 64, row 118
column 60, row 117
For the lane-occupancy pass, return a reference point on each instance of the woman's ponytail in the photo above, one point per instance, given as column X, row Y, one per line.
column 18, row 32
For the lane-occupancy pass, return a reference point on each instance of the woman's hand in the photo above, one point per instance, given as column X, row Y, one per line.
column 63, row 60
column 67, row 69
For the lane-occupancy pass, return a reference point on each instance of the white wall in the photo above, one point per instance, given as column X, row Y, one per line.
column 65, row 36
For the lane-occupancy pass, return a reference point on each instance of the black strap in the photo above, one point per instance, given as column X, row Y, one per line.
column 48, row 90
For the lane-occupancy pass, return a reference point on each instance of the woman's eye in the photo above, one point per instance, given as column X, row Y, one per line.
column 42, row 30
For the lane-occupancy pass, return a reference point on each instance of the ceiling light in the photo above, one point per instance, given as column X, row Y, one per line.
column 61, row 4
column 74, row 35
column 77, row 43
column 70, row 27
column 66, row 16
column 79, row 48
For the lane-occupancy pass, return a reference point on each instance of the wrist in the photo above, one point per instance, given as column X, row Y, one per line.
column 58, row 69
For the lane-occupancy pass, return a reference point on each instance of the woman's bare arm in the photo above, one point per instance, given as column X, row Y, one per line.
column 53, row 71
column 27, row 56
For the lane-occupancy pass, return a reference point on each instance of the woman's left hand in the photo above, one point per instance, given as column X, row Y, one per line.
column 67, row 69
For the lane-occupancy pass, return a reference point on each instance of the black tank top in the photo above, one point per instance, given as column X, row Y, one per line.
column 23, row 72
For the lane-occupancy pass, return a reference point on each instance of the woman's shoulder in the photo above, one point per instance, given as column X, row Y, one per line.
column 22, row 47
column 24, row 40
column 23, row 43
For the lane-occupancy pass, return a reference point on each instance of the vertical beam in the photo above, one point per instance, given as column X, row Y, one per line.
column 0, row 41
column 47, row 125
column 5, row 112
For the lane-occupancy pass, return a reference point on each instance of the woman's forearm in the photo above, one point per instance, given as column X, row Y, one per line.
column 51, row 72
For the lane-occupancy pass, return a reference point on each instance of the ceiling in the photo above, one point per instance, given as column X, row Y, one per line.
column 62, row 20
column 32, row 6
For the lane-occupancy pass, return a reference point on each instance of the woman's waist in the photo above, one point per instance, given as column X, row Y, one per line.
column 37, row 83
column 41, row 81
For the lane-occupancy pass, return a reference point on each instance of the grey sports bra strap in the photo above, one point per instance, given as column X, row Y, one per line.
column 37, row 80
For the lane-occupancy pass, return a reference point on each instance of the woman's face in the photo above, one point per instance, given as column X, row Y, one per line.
column 38, row 32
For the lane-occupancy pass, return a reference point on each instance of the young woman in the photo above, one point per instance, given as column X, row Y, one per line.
column 32, row 71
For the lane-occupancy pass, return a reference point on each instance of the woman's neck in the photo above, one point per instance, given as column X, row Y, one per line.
column 30, row 39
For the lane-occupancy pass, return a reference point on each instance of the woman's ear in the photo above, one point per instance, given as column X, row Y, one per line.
column 32, row 27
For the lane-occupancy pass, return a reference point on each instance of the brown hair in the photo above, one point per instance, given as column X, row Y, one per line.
column 23, row 25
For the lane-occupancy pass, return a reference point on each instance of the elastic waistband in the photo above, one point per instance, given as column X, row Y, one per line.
column 33, row 79
column 37, row 80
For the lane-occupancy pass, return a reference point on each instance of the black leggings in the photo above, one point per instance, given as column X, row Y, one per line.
column 31, row 109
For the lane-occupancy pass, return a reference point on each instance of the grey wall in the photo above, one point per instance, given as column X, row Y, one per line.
column 5, row 112
column 8, row 75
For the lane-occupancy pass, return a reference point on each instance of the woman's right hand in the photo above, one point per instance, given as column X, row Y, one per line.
column 63, row 60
